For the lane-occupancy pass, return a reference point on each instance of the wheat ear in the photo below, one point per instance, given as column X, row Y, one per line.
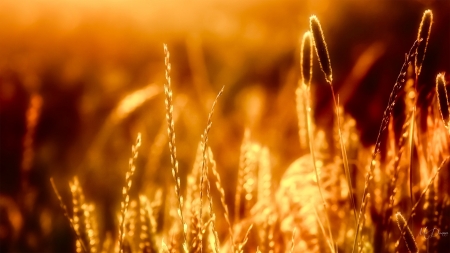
column 126, row 189
column 443, row 102
column 66, row 214
column 424, row 35
column 406, row 233
column 249, row 176
column 302, row 91
column 325, row 64
column 204, row 149
column 76, row 209
column 222, row 196
column 245, row 147
column 306, row 58
column 172, row 147
column 265, row 177
column 321, row 48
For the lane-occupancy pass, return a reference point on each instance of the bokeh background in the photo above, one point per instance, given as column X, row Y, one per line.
column 80, row 79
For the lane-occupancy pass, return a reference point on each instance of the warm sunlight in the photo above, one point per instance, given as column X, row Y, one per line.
column 224, row 126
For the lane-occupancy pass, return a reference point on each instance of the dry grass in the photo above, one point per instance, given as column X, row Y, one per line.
column 255, row 192
column 335, row 196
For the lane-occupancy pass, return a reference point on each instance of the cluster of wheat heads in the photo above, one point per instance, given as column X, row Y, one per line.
column 320, row 204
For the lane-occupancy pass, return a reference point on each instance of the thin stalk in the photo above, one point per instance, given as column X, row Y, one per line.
column 313, row 157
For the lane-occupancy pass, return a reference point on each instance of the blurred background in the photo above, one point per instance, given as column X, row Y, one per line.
column 80, row 79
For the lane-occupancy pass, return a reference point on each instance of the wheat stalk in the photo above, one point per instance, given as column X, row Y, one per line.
column 240, row 247
column 212, row 216
column 126, row 189
column 302, row 91
column 398, row 86
column 329, row 243
column 222, row 197
column 66, row 214
column 172, row 147
column 325, row 64
column 422, row 36
column 204, row 148
column 313, row 158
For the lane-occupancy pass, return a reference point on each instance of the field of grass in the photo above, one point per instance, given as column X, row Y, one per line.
column 221, row 126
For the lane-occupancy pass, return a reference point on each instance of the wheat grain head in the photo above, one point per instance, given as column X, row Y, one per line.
column 306, row 58
column 172, row 147
column 423, row 35
column 204, row 175
column 321, row 48
column 443, row 101
column 126, row 189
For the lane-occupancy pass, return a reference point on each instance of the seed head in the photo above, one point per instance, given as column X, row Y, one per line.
column 444, row 103
column 306, row 56
column 321, row 47
column 423, row 36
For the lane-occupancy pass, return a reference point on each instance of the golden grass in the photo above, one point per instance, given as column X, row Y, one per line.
column 443, row 100
column 126, row 189
column 204, row 173
column 321, row 48
column 172, row 147
column 423, row 35
column 312, row 207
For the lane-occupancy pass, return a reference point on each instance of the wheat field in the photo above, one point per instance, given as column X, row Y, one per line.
column 214, row 126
